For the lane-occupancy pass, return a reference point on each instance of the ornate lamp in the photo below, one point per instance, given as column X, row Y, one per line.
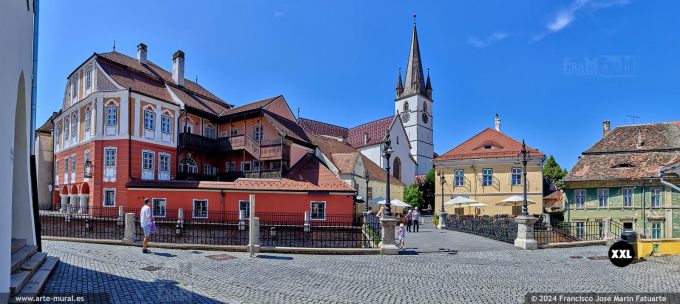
column 387, row 152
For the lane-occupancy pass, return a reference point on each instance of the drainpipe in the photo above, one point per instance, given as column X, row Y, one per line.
column 130, row 130
column 674, row 187
column 34, row 92
column 644, row 210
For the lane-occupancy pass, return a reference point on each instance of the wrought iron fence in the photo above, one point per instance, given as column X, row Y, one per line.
column 221, row 228
column 372, row 230
column 292, row 230
column 569, row 232
column 100, row 223
column 616, row 229
column 497, row 228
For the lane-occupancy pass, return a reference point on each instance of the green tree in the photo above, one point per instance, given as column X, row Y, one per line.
column 427, row 188
column 414, row 196
column 553, row 171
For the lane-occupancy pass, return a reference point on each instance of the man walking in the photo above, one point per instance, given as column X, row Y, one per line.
column 416, row 220
column 145, row 220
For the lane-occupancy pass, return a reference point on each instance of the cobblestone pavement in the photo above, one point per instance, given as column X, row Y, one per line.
column 126, row 275
column 428, row 240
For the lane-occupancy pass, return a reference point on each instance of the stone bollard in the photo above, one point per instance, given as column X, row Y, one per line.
column 67, row 216
column 180, row 217
column 129, row 236
column 254, row 236
column 83, row 200
column 607, row 223
column 121, row 216
column 242, row 220
column 387, row 245
column 442, row 220
column 525, row 232
column 64, row 202
column 306, row 226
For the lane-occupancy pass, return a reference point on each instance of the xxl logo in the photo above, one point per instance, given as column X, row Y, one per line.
column 621, row 254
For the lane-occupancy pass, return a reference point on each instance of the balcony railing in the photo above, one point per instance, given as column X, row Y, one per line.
column 229, row 176
column 263, row 150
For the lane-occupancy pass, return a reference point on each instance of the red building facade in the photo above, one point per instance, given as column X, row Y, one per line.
column 129, row 129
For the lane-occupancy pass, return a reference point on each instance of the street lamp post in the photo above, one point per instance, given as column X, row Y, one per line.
column 366, row 198
column 442, row 181
column 442, row 211
column 387, row 152
column 525, row 205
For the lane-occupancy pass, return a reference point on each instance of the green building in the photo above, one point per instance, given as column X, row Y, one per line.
column 619, row 177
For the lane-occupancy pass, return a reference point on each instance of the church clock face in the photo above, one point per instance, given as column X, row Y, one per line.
column 425, row 117
column 405, row 116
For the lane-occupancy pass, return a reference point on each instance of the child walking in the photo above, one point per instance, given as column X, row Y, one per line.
column 402, row 235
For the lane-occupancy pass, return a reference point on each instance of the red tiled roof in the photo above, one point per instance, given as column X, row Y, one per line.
column 307, row 175
column 620, row 166
column 488, row 144
column 250, row 106
column 150, row 79
column 644, row 137
column 345, row 161
column 286, row 126
column 321, row 128
column 376, row 131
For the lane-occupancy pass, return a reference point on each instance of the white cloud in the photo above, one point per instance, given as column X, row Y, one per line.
column 484, row 42
column 566, row 16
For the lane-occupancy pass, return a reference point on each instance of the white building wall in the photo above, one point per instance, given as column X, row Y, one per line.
column 16, row 70
column 401, row 150
column 419, row 131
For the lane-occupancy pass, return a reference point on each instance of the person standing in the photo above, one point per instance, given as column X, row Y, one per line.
column 145, row 221
column 409, row 220
column 402, row 235
column 416, row 220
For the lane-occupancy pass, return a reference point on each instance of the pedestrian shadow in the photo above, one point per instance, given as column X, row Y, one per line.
column 274, row 257
column 165, row 254
column 102, row 287
column 408, row 252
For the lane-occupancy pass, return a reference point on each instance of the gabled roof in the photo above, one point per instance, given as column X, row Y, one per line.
column 330, row 147
column 321, row 128
column 488, row 144
column 636, row 138
column 151, row 80
column 345, row 162
column 630, row 152
column 286, row 126
column 375, row 130
column 250, row 106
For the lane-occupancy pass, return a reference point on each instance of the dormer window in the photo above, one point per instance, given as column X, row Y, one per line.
column 623, row 165
column 487, row 147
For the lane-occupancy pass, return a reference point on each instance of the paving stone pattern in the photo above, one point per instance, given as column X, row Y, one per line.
column 125, row 275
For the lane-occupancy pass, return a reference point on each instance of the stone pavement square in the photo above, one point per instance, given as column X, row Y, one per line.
column 126, row 275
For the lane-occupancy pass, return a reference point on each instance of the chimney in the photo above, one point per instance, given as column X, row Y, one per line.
column 606, row 127
column 497, row 122
column 178, row 68
column 141, row 53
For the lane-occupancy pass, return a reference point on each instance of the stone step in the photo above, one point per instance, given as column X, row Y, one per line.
column 21, row 255
column 18, row 280
column 18, row 244
column 35, row 285
column 34, row 261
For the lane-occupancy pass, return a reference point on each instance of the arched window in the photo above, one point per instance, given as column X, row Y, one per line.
column 67, row 130
column 188, row 165
column 425, row 107
column 406, row 106
column 74, row 126
column 396, row 168
column 88, row 120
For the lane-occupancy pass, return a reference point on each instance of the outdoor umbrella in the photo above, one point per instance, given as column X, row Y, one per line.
column 459, row 200
column 514, row 201
column 476, row 205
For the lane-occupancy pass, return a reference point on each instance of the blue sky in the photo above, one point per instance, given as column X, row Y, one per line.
column 553, row 70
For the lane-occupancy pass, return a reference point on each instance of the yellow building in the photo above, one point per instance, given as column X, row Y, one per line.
column 487, row 168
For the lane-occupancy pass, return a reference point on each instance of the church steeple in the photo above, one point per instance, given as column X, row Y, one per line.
column 400, row 85
column 415, row 81
column 428, row 85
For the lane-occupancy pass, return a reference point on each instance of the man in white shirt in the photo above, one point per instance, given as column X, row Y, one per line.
column 145, row 220
column 416, row 220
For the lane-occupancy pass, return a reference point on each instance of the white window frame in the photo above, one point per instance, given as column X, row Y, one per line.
column 153, row 206
column 88, row 122
column 111, row 113
column 230, row 166
column 623, row 224
column 149, row 120
column 659, row 196
column 484, row 175
column 580, row 229
column 580, row 203
column 516, row 172
column 599, row 198
column 88, row 79
column 311, row 210
column 458, row 177
column 67, row 130
column 163, row 174
column 209, row 131
column 258, row 132
column 193, row 208
column 247, row 208
column 66, row 169
column 74, row 128
column 110, row 168
column 660, row 230
column 114, row 197
column 56, row 172
column 256, row 165
column 194, row 166
column 632, row 197
column 207, row 169
column 148, row 173
column 166, row 124
column 233, row 131
column 249, row 163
